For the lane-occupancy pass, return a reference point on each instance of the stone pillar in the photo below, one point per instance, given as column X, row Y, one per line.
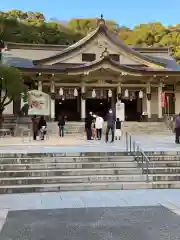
column 52, row 107
column 40, row 86
column 159, row 100
column 148, row 99
column 83, row 104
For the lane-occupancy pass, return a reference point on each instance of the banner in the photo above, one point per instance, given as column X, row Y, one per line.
column 39, row 103
column 163, row 100
column 120, row 111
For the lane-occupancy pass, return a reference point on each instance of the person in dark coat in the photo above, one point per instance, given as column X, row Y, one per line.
column 61, row 124
column 88, row 124
column 177, row 129
column 35, row 122
column 110, row 118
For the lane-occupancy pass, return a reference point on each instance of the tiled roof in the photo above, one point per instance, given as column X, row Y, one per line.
column 99, row 63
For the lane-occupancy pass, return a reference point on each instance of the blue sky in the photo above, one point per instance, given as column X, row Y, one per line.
column 127, row 13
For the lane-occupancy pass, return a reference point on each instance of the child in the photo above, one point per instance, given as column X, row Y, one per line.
column 118, row 129
column 93, row 128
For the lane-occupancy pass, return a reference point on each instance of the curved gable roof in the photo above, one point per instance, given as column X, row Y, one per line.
column 101, row 64
column 102, row 28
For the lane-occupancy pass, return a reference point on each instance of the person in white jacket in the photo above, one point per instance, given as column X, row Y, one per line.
column 99, row 125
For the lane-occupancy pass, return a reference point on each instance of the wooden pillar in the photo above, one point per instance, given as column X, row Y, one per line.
column 148, row 99
column 83, row 103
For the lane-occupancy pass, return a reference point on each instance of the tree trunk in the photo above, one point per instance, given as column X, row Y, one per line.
column 1, row 118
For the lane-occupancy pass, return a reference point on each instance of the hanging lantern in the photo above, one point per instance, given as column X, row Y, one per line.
column 140, row 94
column 61, row 92
column 93, row 93
column 126, row 93
column 133, row 96
column 75, row 92
column 109, row 93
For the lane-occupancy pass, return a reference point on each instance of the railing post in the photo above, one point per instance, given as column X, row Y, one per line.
column 127, row 148
column 130, row 142
column 147, row 171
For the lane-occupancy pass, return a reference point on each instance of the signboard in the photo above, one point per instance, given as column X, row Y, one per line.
column 120, row 111
column 39, row 103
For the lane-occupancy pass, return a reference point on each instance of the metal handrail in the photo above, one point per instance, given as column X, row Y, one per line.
column 134, row 149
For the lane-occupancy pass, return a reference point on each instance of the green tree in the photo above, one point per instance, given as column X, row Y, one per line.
column 11, row 86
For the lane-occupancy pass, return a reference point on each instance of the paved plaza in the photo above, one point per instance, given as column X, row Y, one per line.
column 80, row 144
column 124, row 214
column 131, row 214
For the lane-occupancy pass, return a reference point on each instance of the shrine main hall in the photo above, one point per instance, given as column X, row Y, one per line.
column 93, row 73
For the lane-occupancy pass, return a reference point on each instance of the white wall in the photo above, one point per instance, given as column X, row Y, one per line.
column 9, row 108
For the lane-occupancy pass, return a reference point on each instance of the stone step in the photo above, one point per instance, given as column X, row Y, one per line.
column 164, row 177
column 29, row 160
column 88, row 186
column 71, row 179
column 86, row 179
column 69, row 172
column 73, row 187
column 163, row 170
column 164, row 164
column 67, row 165
column 161, row 154
column 164, row 158
column 62, row 154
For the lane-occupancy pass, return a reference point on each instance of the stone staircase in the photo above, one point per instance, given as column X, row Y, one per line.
column 69, row 171
column 164, row 169
column 71, row 128
column 49, row 172
column 146, row 128
column 16, row 124
column 134, row 128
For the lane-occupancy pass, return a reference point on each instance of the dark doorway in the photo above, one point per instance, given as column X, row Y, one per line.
column 131, row 113
column 98, row 106
column 67, row 108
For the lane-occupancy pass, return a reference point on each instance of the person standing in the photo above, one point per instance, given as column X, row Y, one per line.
column 42, row 127
column 110, row 125
column 177, row 129
column 61, row 124
column 88, row 124
column 99, row 126
column 118, row 129
column 93, row 129
column 35, row 124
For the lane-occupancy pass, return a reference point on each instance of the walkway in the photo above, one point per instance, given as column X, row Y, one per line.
column 123, row 198
column 157, row 143
column 80, row 144
column 56, row 144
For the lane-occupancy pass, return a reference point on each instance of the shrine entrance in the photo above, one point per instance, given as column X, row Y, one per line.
column 68, row 106
column 98, row 107
column 133, row 107
column 100, row 103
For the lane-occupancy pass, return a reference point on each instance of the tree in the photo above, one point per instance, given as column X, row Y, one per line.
column 11, row 86
column 31, row 27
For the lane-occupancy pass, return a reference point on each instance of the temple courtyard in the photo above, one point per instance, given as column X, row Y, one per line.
column 114, row 214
